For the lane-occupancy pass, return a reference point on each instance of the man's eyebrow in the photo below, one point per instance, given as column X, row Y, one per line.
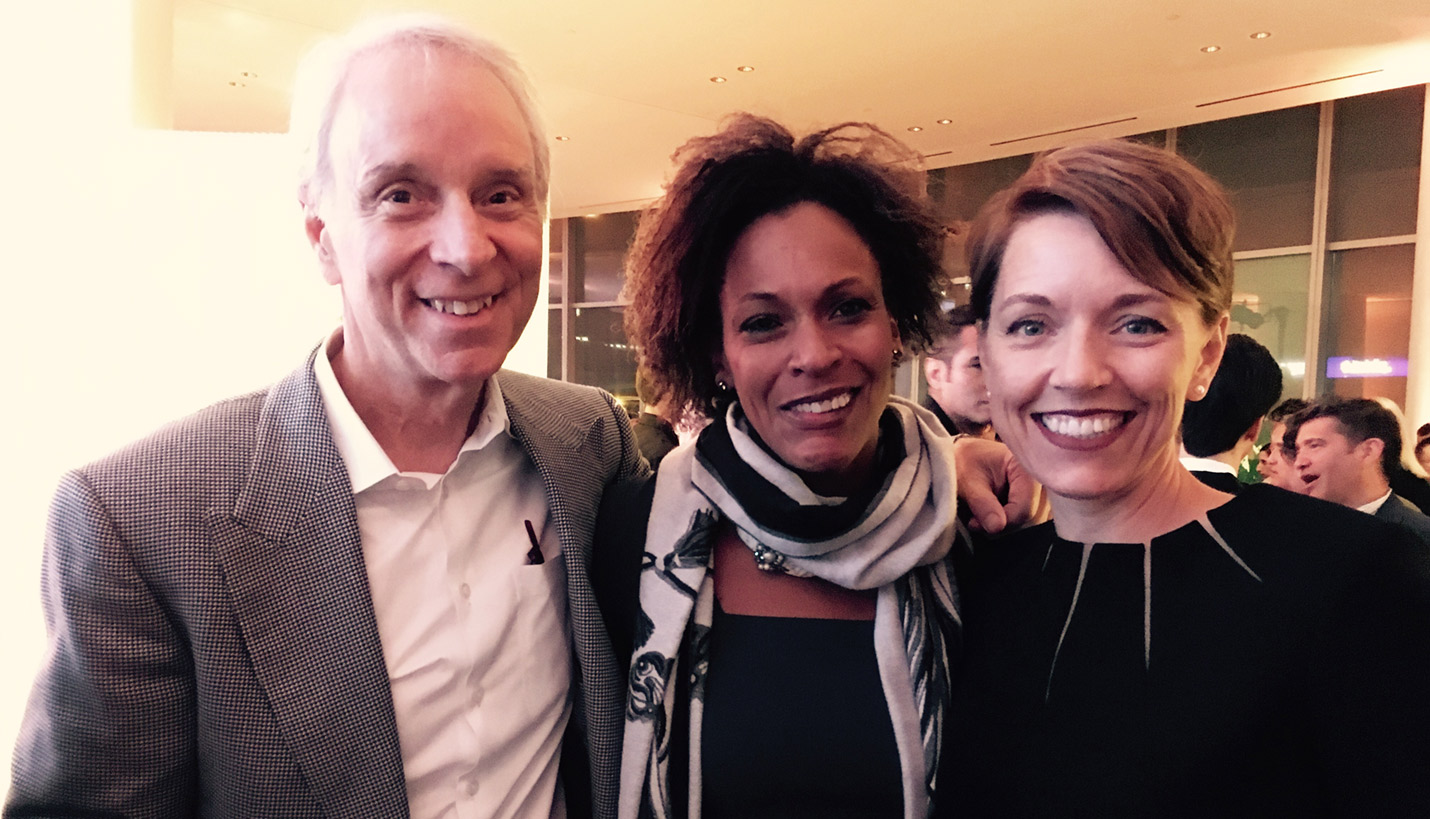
column 387, row 170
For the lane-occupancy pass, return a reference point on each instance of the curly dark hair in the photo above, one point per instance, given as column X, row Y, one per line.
column 751, row 168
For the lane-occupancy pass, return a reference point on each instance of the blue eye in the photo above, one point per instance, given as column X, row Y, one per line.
column 1028, row 328
column 1144, row 327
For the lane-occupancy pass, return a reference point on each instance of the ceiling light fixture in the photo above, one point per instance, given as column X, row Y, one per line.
column 1260, row 35
column 916, row 128
column 563, row 139
column 717, row 80
column 945, row 122
column 1211, row 49
column 745, row 69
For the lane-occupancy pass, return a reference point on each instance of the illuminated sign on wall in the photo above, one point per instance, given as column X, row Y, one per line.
column 1346, row 367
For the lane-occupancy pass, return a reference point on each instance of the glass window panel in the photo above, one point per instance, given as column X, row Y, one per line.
column 1375, row 164
column 597, row 251
column 602, row 358
column 1270, row 304
column 1157, row 139
column 961, row 190
column 1367, row 316
column 1267, row 162
column 556, row 263
column 553, row 343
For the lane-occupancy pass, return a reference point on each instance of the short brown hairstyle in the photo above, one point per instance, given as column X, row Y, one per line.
column 751, row 168
column 1168, row 223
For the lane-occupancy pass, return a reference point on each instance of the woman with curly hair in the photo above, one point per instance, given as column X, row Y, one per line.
column 790, row 565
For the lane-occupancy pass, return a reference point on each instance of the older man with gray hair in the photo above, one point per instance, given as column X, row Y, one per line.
column 348, row 595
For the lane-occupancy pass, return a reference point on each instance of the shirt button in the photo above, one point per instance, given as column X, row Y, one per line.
column 465, row 590
column 471, row 787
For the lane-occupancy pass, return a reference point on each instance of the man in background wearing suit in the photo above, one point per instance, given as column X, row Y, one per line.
column 957, row 394
column 1343, row 451
column 1219, row 431
column 363, row 591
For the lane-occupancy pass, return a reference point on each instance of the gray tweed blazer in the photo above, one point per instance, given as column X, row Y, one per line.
column 213, row 648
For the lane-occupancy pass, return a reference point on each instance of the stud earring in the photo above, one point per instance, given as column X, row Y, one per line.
column 1200, row 390
column 898, row 355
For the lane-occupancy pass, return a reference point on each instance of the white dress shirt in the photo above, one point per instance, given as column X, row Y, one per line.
column 1374, row 506
column 473, row 631
column 1195, row 464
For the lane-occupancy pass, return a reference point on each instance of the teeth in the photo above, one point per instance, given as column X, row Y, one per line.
column 459, row 308
column 1082, row 426
column 830, row 405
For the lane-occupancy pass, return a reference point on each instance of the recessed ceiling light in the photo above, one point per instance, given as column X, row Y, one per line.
column 251, row 74
column 592, row 215
column 745, row 69
column 237, row 84
column 563, row 139
column 945, row 122
column 916, row 128
column 1260, row 35
column 717, row 80
column 1211, row 49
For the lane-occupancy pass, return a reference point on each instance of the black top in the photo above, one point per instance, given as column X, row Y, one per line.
column 795, row 722
column 1221, row 481
column 839, row 725
column 654, row 437
column 1283, row 675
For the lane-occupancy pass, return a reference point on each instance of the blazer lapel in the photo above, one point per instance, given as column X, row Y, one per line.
column 293, row 561
column 568, row 454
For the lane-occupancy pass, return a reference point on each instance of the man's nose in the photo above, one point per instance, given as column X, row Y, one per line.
column 462, row 238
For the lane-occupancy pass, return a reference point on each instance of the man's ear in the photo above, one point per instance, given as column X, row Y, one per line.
column 1254, row 431
column 935, row 369
column 1372, row 449
column 317, row 232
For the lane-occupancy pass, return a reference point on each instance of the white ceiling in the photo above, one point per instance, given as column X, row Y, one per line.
column 629, row 80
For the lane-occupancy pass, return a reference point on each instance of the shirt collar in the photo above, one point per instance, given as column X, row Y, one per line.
column 1374, row 506
column 1195, row 464
column 366, row 462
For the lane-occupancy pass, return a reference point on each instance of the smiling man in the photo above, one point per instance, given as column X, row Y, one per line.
column 363, row 591
column 1344, row 450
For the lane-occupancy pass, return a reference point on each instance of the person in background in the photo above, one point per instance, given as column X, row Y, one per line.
column 1162, row 648
column 655, row 434
column 782, row 585
column 361, row 592
column 1345, row 450
column 1221, row 429
column 1277, row 467
column 956, row 393
column 1407, row 477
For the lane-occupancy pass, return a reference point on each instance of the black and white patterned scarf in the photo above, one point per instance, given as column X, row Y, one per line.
column 893, row 537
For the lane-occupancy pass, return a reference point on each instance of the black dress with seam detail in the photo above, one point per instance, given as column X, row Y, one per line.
column 1273, row 663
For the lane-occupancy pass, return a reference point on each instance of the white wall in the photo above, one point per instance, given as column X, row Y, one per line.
column 146, row 274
